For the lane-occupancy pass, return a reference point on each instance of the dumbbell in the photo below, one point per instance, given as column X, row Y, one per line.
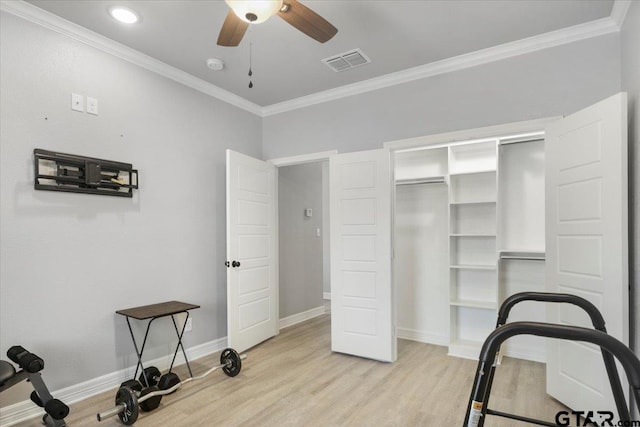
column 149, row 376
column 139, row 390
column 128, row 404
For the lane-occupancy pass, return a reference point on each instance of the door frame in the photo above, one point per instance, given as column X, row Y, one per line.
column 292, row 161
column 470, row 135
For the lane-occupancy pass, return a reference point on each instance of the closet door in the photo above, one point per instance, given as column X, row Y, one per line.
column 586, row 241
column 362, row 311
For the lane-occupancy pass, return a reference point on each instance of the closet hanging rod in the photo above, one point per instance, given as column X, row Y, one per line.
column 524, row 258
column 521, row 140
column 416, row 181
column 523, row 255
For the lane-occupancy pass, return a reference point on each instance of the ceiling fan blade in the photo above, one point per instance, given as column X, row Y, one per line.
column 307, row 21
column 232, row 30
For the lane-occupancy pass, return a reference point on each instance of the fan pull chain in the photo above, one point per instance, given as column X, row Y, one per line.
column 250, row 71
column 250, row 54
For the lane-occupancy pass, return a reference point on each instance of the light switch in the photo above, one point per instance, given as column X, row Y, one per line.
column 92, row 106
column 77, row 102
column 308, row 212
column 317, row 232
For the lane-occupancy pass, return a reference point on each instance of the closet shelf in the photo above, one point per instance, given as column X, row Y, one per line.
column 471, row 235
column 489, row 305
column 473, row 267
column 474, row 202
column 522, row 255
column 425, row 180
column 475, row 172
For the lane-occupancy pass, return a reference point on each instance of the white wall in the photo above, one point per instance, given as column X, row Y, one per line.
column 301, row 250
column 68, row 261
column 630, row 71
column 421, row 262
column 546, row 83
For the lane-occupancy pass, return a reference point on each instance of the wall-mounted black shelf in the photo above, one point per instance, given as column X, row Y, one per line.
column 79, row 174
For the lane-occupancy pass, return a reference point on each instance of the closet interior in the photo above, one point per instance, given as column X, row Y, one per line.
column 469, row 232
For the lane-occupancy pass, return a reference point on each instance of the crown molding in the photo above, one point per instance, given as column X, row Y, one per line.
column 519, row 47
column 76, row 32
column 587, row 30
column 619, row 11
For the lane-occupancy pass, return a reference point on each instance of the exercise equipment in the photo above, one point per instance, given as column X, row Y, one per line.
column 598, row 324
column 168, row 380
column 477, row 408
column 31, row 365
column 128, row 404
column 149, row 376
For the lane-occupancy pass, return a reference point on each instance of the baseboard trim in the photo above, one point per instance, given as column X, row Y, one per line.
column 326, row 295
column 25, row 410
column 421, row 336
column 301, row 317
column 524, row 354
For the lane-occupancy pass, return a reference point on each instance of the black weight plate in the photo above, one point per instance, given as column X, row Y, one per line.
column 231, row 361
column 134, row 385
column 168, row 380
column 152, row 374
column 151, row 403
column 130, row 413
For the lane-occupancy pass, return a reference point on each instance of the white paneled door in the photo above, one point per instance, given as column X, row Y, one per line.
column 586, row 243
column 362, row 303
column 252, row 270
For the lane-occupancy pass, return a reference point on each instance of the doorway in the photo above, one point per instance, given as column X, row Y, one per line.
column 303, row 241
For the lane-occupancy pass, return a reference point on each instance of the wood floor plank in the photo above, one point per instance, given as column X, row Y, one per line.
column 295, row 380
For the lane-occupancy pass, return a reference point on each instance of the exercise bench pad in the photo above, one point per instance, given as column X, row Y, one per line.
column 7, row 371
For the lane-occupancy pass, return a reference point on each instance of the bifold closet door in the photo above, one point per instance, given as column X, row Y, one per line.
column 362, row 312
column 586, row 243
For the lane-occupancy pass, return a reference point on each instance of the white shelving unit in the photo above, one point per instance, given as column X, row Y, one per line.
column 521, row 255
column 469, row 233
column 473, row 280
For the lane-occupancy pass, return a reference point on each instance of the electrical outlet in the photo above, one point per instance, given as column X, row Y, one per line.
column 189, row 325
column 77, row 102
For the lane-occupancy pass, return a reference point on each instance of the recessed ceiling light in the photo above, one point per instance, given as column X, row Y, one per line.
column 124, row 15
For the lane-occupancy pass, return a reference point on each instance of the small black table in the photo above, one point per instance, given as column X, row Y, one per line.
column 153, row 312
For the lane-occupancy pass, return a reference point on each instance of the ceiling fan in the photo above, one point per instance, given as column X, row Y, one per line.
column 245, row 12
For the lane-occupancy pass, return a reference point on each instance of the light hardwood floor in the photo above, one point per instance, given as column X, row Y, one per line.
column 295, row 380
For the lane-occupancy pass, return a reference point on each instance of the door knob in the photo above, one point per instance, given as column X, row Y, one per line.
column 235, row 264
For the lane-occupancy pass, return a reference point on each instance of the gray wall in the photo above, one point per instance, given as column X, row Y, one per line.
column 301, row 265
column 630, row 54
column 540, row 84
column 68, row 261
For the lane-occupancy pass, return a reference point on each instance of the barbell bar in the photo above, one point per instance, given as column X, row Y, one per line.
column 129, row 406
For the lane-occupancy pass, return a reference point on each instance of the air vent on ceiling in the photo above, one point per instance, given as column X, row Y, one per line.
column 347, row 60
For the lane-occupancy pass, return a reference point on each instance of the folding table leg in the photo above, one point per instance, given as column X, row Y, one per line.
column 139, row 352
column 180, row 334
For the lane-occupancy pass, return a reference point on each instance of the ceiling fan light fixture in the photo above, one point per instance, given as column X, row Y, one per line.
column 255, row 11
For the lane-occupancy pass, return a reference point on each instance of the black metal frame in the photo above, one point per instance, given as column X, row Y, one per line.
column 477, row 407
column 179, row 334
column 80, row 174
column 43, row 393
